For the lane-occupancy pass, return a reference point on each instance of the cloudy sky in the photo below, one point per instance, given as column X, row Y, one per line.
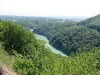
column 50, row 7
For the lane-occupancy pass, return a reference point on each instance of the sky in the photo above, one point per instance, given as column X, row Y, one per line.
column 50, row 7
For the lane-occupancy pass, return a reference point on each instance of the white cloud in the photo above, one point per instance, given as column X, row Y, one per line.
column 50, row 7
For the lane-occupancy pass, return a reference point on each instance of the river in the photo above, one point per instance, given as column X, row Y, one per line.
column 41, row 37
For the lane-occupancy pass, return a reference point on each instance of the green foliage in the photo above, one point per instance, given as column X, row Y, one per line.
column 65, row 35
column 24, row 66
column 17, row 38
column 46, row 63
column 34, row 59
column 1, row 30
column 92, row 23
column 5, row 58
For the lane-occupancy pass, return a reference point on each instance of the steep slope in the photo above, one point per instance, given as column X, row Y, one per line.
column 33, row 58
column 65, row 35
column 93, row 23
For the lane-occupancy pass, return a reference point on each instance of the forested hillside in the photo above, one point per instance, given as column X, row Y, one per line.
column 92, row 23
column 31, row 57
column 66, row 35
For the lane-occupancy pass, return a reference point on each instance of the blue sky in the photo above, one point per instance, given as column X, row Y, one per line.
column 50, row 7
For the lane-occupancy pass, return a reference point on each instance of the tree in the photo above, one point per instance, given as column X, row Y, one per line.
column 18, row 39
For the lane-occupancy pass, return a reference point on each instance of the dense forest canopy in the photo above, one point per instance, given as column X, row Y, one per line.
column 92, row 23
column 66, row 35
column 81, row 42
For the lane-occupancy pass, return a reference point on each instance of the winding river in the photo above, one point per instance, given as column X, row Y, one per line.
column 41, row 37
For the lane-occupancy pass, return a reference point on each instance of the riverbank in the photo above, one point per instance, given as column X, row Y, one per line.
column 47, row 44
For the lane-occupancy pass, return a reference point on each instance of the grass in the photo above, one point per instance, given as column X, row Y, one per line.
column 5, row 58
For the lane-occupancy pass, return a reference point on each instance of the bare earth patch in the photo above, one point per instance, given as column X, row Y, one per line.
column 6, row 71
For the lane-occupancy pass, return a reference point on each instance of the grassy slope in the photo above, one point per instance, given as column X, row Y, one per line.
column 5, row 59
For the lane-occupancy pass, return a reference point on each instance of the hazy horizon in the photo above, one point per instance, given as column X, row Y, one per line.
column 50, row 8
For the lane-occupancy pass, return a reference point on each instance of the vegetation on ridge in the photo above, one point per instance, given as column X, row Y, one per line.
column 65, row 35
column 33, row 58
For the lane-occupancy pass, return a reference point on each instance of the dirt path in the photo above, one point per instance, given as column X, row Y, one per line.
column 6, row 71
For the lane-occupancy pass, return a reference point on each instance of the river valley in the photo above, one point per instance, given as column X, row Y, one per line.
column 41, row 37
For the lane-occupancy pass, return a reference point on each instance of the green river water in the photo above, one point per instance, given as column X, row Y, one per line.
column 41, row 37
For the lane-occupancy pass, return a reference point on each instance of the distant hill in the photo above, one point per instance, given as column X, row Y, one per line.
column 93, row 22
